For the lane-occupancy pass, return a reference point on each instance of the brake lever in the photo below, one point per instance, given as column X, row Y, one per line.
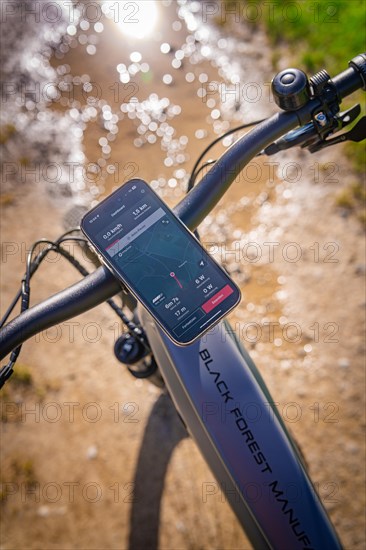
column 356, row 134
column 291, row 139
column 306, row 135
column 346, row 117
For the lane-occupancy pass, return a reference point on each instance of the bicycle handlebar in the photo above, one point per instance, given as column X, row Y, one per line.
column 192, row 209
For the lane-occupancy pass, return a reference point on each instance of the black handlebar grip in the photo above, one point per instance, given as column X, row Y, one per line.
column 352, row 79
column 359, row 64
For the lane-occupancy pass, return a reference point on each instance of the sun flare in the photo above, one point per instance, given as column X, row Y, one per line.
column 135, row 19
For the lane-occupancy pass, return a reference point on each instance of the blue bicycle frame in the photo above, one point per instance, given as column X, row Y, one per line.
column 213, row 382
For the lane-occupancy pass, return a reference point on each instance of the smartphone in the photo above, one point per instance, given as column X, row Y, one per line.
column 160, row 261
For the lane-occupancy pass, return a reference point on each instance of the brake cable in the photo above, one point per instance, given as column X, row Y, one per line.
column 195, row 170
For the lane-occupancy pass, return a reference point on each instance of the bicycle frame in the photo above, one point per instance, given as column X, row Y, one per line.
column 212, row 383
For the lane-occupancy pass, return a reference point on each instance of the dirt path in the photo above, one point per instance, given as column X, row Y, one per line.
column 71, row 436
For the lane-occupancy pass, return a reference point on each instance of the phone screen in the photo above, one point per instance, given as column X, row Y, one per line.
column 160, row 261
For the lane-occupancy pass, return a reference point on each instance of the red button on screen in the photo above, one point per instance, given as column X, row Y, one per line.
column 217, row 298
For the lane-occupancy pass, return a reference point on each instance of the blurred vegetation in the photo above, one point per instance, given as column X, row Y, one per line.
column 321, row 34
column 22, row 375
column 21, row 472
column 352, row 199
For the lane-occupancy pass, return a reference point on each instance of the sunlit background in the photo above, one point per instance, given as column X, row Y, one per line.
column 153, row 69
column 135, row 19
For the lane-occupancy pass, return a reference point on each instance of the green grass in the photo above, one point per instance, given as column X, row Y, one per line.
column 321, row 34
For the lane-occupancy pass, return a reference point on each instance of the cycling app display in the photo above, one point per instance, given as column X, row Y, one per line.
column 160, row 261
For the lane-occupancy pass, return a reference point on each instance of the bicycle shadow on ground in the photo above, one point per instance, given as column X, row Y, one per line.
column 163, row 432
